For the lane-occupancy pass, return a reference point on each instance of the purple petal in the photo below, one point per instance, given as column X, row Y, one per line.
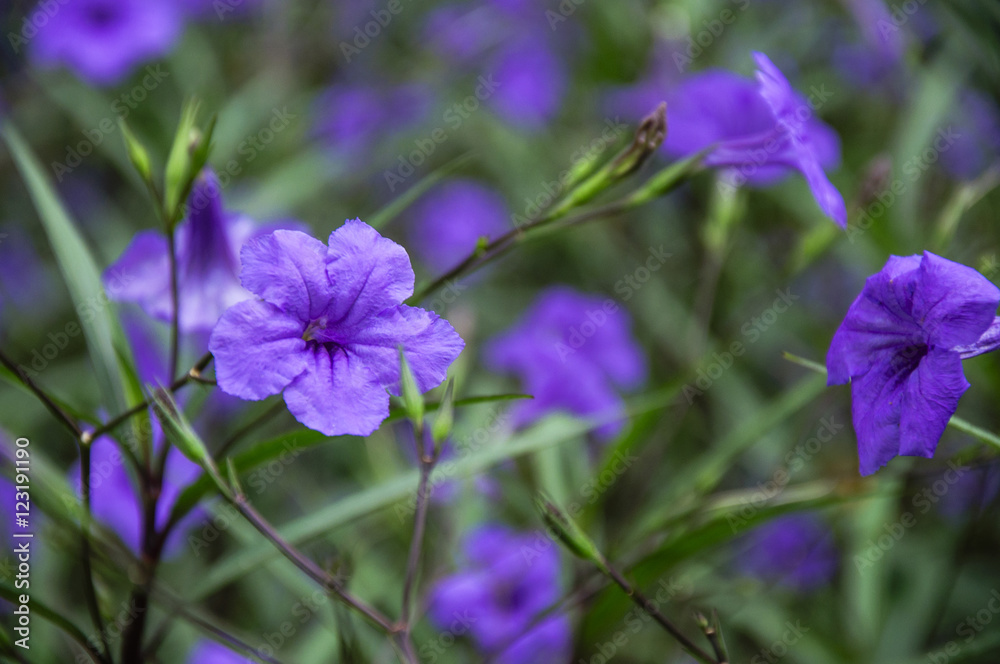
column 931, row 398
column 430, row 343
column 337, row 394
column 142, row 274
column 827, row 196
column 954, row 303
column 288, row 270
column 369, row 273
column 880, row 320
column 876, row 406
column 258, row 350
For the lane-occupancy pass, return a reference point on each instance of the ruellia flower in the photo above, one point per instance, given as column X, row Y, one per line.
column 796, row 551
column 572, row 352
column 505, row 582
column 326, row 327
column 102, row 41
column 760, row 132
column 901, row 346
column 208, row 243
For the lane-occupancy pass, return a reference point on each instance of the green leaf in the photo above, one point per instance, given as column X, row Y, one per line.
column 105, row 340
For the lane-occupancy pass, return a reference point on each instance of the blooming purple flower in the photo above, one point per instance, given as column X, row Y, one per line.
column 327, row 328
column 760, row 132
column 449, row 221
column 797, row 551
column 104, row 40
column 507, row 580
column 210, row 652
column 901, row 346
column 208, row 244
column 571, row 351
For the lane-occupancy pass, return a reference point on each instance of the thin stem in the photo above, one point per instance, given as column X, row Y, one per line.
column 46, row 400
column 138, row 408
column 311, row 569
column 175, row 303
column 644, row 603
column 275, row 409
column 427, row 463
column 88, row 572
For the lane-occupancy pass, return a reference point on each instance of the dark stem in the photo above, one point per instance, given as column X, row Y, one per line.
column 88, row 572
column 427, row 462
column 311, row 569
column 643, row 602
column 175, row 304
column 138, row 408
column 46, row 400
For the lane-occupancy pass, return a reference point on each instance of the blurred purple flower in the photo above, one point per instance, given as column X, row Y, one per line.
column 327, row 328
column 797, row 551
column 115, row 498
column 975, row 131
column 449, row 221
column 210, row 652
column 461, row 33
column 217, row 9
column 506, row 581
column 975, row 489
column 353, row 117
column 208, row 245
column 901, row 346
column 104, row 40
column 760, row 132
column 571, row 351
column 24, row 281
column 531, row 82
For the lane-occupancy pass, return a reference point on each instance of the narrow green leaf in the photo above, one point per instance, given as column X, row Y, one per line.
column 105, row 340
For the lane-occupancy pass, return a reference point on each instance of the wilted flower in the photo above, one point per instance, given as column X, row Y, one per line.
column 901, row 346
column 449, row 221
column 208, row 244
column 759, row 132
column 506, row 581
column 327, row 328
column 797, row 551
column 571, row 352
column 104, row 40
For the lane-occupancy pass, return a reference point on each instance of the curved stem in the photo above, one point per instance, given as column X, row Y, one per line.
column 427, row 463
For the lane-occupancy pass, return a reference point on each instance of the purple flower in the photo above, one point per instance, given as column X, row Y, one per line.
column 760, row 132
column 461, row 33
column 353, row 117
column 208, row 244
column 115, row 498
column 797, row 551
column 327, row 328
column 210, row 652
column 507, row 580
column 530, row 81
column 449, row 221
column 901, row 346
column 104, row 40
column 571, row 351
column 972, row 143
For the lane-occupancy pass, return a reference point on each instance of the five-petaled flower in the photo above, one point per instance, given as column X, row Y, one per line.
column 757, row 133
column 327, row 327
column 901, row 346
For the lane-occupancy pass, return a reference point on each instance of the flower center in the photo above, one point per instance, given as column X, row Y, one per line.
column 314, row 326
